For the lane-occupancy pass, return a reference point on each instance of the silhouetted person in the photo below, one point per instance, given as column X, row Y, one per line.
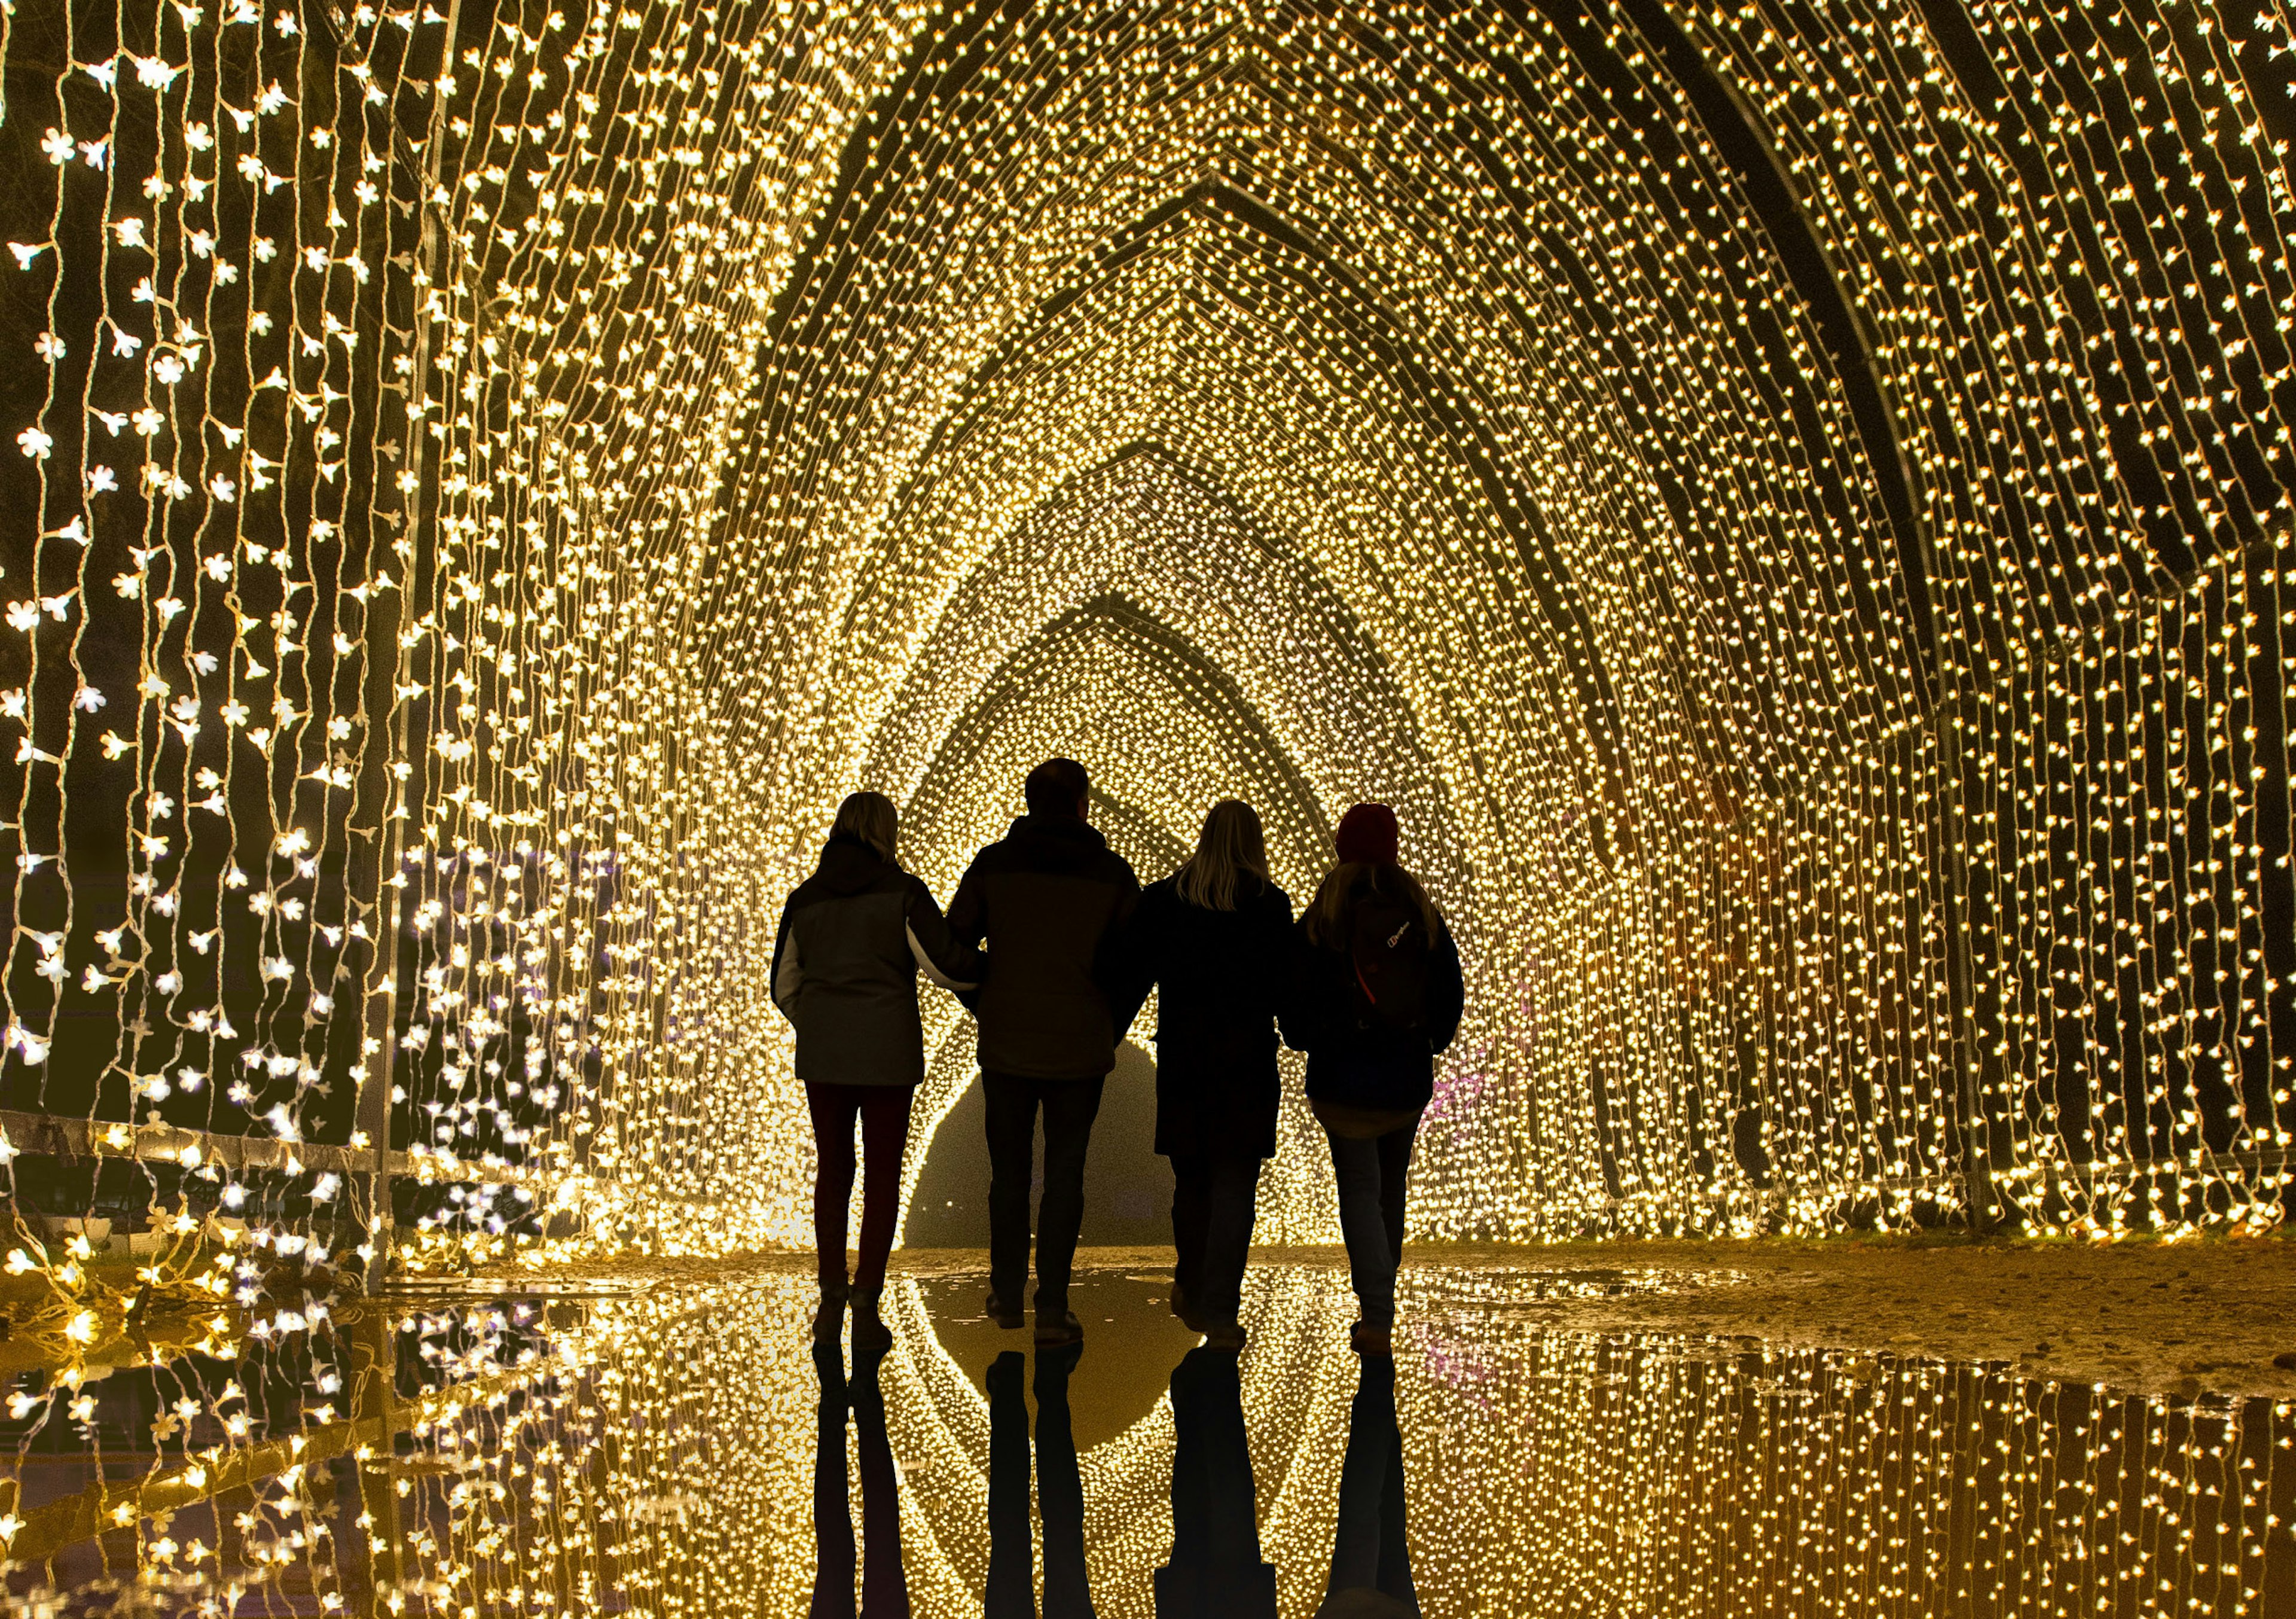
column 1214, row 1570
column 1060, row 1491
column 852, row 939
column 884, row 1588
column 1371, row 1558
column 1011, row 1590
column 1379, row 992
column 1044, row 898
column 1216, row 938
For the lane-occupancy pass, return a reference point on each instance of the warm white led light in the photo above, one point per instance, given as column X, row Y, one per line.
column 1786, row 502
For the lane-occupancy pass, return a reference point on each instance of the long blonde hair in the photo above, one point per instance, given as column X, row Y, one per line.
column 870, row 818
column 1353, row 880
column 1231, row 844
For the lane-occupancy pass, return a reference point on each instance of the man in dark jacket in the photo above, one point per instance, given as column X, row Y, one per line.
column 1044, row 898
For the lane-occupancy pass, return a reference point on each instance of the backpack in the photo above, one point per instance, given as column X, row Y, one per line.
column 1387, row 948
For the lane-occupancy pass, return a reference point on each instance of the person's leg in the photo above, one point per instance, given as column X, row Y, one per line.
column 1370, row 1263
column 1012, row 1121
column 1369, row 1475
column 1012, row 1589
column 1232, row 1196
column 832, row 1107
column 832, row 1511
column 1394, row 1171
column 884, row 1587
column 1188, row 1214
column 1070, row 1108
column 884, row 1138
column 1060, row 1488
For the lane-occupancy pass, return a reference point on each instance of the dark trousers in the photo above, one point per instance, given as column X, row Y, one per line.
column 1215, row 1199
column 1070, row 1107
column 884, row 1589
column 1060, row 1491
column 1214, row 1570
column 1370, row 1548
column 1371, row 1174
column 884, row 1113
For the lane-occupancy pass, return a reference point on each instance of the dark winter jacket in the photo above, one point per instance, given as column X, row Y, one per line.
column 1220, row 975
column 1044, row 898
column 852, row 939
column 1353, row 1061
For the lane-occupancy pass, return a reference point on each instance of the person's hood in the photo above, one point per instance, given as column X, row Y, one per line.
column 1064, row 843
column 848, row 865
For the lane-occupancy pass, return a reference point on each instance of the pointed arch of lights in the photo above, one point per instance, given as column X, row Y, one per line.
column 1791, row 505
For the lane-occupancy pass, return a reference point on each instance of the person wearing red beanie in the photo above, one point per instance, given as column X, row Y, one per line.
column 1368, row 835
column 1379, row 993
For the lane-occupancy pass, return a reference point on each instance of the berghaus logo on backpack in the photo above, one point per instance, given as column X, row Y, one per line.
column 1389, row 945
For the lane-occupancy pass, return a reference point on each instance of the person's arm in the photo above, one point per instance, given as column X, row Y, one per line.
column 789, row 972
column 1119, row 978
column 968, row 926
column 1279, row 942
column 1129, row 951
column 951, row 965
column 1447, row 988
column 1305, row 1012
column 968, row 910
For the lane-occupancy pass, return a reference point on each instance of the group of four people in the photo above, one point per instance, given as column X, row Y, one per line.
column 1052, row 944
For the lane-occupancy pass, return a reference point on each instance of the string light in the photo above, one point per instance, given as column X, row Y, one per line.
column 1790, row 507
column 571, row 1456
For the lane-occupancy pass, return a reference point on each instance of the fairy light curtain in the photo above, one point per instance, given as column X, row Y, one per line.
column 1792, row 504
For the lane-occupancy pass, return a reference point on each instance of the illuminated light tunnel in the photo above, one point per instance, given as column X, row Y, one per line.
column 1789, row 502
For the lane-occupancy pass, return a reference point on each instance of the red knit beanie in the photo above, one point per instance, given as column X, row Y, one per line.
column 1367, row 835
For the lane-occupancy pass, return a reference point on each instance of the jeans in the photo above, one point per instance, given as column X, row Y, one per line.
column 884, row 1113
column 1213, row 1202
column 1371, row 1173
column 1070, row 1108
column 1370, row 1549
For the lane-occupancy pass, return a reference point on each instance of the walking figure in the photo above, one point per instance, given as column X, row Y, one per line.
column 853, row 938
column 1380, row 993
column 1216, row 940
column 1044, row 898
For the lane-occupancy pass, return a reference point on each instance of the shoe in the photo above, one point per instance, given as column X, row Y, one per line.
column 1366, row 1339
column 870, row 1333
column 1056, row 1327
column 829, row 1317
column 1185, row 1307
column 1224, row 1335
column 1007, row 1316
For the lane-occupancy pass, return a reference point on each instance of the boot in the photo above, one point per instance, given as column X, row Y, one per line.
column 870, row 1333
column 828, row 1319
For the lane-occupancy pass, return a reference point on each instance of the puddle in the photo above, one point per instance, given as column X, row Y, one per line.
column 677, row 1450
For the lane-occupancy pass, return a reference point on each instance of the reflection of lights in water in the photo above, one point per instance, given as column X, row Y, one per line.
column 471, row 505
column 654, row 1454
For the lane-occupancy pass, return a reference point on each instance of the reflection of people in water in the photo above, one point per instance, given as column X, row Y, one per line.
column 1060, row 1491
column 884, row 1589
column 1371, row 1563
column 1216, row 1571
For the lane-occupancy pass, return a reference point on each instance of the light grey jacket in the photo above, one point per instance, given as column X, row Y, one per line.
column 853, row 938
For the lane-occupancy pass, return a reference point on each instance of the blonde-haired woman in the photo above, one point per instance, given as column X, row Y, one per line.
column 1215, row 939
column 1380, row 993
column 853, row 938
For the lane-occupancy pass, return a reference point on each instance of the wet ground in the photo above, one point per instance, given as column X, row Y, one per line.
column 1552, row 1438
